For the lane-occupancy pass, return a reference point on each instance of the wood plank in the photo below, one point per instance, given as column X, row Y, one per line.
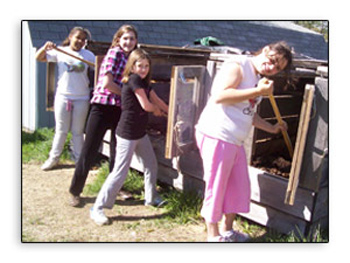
column 51, row 82
column 275, row 219
column 183, row 112
column 315, row 158
column 321, row 208
column 98, row 62
column 287, row 104
column 171, row 118
column 300, row 145
column 269, row 190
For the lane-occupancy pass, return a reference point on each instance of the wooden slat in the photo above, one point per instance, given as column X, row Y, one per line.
column 316, row 147
column 287, row 104
column 184, row 102
column 51, row 80
column 275, row 219
column 98, row 62
column 269, row 190
column 300, row 144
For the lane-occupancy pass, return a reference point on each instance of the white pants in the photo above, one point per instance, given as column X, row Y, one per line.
column 143, row 150
column 69, row 116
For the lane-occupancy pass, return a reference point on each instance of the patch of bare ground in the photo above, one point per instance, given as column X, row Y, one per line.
column 47, row 217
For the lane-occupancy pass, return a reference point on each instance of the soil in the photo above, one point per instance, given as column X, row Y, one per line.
column 47, row 217
column 273, row 164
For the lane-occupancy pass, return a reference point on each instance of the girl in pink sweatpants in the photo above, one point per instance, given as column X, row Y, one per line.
column 222, row 128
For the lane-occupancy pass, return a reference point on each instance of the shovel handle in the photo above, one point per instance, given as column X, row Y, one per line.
column 78, row 58
column 279, row 119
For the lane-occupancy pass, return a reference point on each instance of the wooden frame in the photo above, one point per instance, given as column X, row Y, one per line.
column 300, row 144
column 51, row 81
column 268, row 205
column 185, row 94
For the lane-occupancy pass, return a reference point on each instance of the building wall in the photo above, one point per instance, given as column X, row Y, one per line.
column 34, row 114
column 28, row 81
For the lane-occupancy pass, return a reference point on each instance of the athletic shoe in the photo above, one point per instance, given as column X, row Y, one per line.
column 234, row 236
column 217, row 239
column 49, row 164
column 74, row 200
column 157, row 202
column 98, row 216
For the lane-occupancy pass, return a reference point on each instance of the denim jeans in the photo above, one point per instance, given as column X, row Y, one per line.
column 143, row 150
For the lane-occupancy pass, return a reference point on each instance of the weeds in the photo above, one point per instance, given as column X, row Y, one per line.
column 181, row 207
column 36, row 146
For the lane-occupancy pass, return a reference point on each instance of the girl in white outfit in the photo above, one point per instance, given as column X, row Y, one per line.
column 222, row 128
column 72, row 96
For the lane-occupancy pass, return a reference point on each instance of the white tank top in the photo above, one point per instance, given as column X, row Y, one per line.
column 230, row 123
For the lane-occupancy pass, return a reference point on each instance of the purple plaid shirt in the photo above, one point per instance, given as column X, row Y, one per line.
column 114, row 62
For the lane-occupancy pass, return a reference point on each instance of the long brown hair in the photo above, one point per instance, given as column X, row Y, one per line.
column 135, row 56
column 282, row 49
column 122, row 30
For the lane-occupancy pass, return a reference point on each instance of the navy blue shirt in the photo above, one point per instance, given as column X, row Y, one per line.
column 134, row 118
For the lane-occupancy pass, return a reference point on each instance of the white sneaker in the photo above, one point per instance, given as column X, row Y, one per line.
column 49, row 164
column 98, row 216
column 157, row 202
column 217, row 239
column 234, row 236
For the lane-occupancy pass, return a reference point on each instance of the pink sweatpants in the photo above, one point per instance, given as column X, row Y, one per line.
column 226, row 176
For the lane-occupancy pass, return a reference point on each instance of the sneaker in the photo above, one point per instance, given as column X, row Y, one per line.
column 98, row 216
column 157, row 202
column 74, row 200
column 217, row 239
column 234, row 236
column 49, row 164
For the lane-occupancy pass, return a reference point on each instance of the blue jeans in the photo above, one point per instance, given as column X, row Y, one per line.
column 141, row 149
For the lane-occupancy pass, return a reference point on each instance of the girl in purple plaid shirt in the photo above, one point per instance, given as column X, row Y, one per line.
column 105, row 107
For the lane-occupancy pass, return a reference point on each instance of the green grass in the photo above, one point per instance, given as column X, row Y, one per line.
column 181, row 207
column 37, row 145
column 133, row 182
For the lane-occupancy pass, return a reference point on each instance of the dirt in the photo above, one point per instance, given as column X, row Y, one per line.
column 273, row 164
column 47, row 217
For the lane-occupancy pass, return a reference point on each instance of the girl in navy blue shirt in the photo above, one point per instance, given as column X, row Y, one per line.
column 138, row 99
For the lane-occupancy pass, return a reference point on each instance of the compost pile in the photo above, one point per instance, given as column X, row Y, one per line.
column 273, row 164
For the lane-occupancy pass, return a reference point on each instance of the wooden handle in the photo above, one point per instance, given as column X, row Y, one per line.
column 279, row 119
column 78, row 58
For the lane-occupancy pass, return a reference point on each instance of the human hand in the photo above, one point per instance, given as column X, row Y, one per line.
column 157, row 111
column 280, row 127
column 49, row 45
column 265, row 86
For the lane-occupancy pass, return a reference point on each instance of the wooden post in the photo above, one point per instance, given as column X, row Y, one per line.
column 300, row 144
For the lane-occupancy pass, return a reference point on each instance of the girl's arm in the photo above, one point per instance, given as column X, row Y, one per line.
column 158, row 101
column 260, row 123
column 108, row 83
column 230, row 77
column 41, row 53
column 146, row 104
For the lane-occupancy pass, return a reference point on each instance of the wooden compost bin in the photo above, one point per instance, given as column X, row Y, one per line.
column 288, row 197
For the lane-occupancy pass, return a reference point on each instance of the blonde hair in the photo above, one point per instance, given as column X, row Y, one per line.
column 121, row 31
column 136, row 55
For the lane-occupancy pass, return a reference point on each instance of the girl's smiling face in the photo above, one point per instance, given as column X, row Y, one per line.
column 128, row 41
column 77, row 40
column 141, row 68
column 271, row 63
